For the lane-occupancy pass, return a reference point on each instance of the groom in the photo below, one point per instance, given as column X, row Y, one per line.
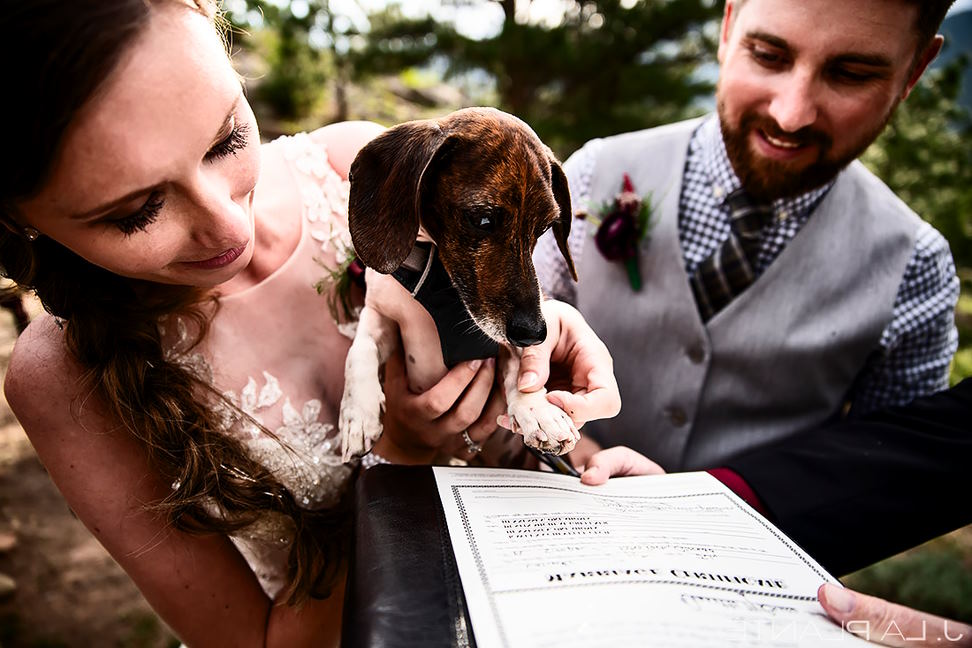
column 782, row 282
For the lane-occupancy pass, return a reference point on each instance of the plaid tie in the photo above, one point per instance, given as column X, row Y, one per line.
column 729, row 270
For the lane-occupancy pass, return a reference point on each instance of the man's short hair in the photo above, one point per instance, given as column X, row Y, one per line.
column 931, row 13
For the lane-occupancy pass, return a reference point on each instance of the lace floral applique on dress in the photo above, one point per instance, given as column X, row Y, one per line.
column 305, row 456
column 309, row 465
column 325, row 197
column 325, row 200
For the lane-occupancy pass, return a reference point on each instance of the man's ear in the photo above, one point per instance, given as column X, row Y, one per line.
column 922, row 63
column 728, row 15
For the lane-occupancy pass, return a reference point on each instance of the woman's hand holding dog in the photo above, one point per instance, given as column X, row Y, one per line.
column 572, row 362
column 417, row 427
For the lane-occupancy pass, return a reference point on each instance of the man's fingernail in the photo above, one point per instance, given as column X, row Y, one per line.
column 475, row 364
column 842, row 600
column 528, row 379
column 555, row 399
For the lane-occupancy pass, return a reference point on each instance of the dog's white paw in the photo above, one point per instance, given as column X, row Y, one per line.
column 544, row 426
column 359, row 422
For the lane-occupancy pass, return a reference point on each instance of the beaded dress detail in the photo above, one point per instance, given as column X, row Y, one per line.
column 281, row 382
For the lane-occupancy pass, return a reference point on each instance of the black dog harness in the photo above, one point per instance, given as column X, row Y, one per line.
column 424, row 276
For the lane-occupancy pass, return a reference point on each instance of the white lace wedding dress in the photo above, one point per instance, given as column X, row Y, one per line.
column 273, row 341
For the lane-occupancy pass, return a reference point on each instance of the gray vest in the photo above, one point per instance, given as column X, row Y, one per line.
column 781, row 357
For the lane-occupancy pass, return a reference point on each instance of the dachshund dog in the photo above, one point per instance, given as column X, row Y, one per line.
column 472, row 191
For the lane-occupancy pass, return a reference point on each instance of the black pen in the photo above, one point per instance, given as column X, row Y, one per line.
column 556, row 462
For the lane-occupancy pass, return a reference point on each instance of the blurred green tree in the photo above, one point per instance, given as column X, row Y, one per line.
column 303, row 45
column 925, row 157
column 608, row 66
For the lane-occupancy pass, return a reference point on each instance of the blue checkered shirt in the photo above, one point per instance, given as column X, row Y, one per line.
column 914, row 352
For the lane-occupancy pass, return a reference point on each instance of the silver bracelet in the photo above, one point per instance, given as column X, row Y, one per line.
column 372, row 459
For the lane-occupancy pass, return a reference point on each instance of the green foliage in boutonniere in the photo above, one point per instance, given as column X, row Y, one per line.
column 337, row 285
column 621, row 227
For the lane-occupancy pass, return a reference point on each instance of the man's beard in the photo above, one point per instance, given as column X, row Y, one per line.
column 766, row 180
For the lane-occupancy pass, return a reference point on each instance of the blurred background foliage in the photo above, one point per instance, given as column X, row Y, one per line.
column 926, row 157
column 580, row 70
column 576, row 70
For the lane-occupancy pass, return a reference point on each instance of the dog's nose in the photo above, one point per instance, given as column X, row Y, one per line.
column 522, row 330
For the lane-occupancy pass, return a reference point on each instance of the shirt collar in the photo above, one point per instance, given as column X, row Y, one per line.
column 722, row 179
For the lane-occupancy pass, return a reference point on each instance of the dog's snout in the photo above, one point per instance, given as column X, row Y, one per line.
column 523, row 329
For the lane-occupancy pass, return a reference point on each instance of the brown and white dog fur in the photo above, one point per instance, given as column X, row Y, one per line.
column 482, row 187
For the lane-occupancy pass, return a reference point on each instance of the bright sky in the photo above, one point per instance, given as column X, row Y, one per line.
column 961, row 5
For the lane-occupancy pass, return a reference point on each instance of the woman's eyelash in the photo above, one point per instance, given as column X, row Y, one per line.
column 235, row 141
column 145, row 216
column 147, row 213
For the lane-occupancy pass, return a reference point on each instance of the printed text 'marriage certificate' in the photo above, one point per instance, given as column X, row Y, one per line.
column 676, row 560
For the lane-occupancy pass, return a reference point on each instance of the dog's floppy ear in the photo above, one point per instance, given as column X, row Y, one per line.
column 561, row 228
column 383, row 208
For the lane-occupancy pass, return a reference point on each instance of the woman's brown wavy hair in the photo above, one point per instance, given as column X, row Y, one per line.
column 63, row 52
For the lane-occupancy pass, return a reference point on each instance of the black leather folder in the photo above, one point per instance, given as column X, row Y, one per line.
column 403, row 585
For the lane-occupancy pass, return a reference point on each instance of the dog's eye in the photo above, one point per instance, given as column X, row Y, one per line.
column 486, row 220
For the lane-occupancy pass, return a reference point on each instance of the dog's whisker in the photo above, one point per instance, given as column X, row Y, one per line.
column 473, row 326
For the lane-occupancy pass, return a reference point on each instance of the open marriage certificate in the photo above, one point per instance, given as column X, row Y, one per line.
column 673, row 560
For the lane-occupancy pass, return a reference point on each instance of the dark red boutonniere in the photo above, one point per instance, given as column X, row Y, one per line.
column 621, row 226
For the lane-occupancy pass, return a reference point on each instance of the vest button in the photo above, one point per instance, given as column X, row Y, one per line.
column 696, row 354
column 677, row 416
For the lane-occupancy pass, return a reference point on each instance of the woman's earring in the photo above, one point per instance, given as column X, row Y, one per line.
column 31, row 233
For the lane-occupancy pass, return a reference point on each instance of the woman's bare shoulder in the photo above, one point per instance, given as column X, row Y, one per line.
column 343, row 140
column 63, row 414
column 41, row 373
